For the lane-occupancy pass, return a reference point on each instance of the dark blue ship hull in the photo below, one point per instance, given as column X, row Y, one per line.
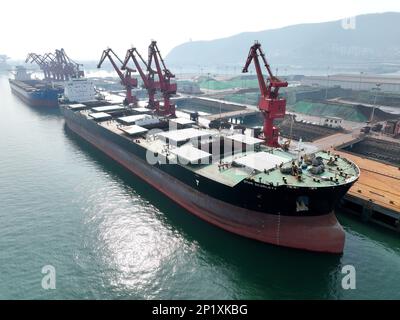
column 36, row 93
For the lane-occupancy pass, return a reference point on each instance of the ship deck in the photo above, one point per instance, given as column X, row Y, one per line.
column 262, row 165
column 379, row 183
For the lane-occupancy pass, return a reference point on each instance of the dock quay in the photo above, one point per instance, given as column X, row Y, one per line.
column 236, row 116
column 375, row 196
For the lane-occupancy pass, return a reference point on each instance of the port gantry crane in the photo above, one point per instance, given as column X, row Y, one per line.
column 41, row 62
column 271, row 106
column 148, row 79
column 165, row 75
column 126, row 79
column 54, row 68
column 68, row 68
column 57, row 66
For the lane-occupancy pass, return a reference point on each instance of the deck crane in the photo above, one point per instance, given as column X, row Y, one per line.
column 126, row 79
column 148, row 79
column 271, row 106
column 165, row 75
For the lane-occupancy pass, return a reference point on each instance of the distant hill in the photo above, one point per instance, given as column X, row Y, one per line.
column 375, row 38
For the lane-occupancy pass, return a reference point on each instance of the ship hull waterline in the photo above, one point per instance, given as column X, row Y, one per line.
column 31, row 100
column 317, row 233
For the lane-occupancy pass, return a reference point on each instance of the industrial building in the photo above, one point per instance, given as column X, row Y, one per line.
column 392, row 128
column 359, row 81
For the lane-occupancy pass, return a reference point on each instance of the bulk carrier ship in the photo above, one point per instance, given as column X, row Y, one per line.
column 229, row 178
column 59, row 72
column 36, row 93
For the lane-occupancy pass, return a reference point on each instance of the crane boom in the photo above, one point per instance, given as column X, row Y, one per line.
column 130, row 54
column 56, row 66
column 41, row 62
column 148, row 79
column 107, row 54
column 271, row 106
column 164, row 74
column 253, row 56
column 126, row 79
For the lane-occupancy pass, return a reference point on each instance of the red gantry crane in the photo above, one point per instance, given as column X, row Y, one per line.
column 57, row 66
column 54, row 67
column 69, row 68
column 271, row 106
column 148, row 79
column 41, row 62
column 165, row 75
column 126, row 79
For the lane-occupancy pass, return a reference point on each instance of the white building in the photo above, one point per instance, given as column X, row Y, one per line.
column 359, row 81
column 333, row 122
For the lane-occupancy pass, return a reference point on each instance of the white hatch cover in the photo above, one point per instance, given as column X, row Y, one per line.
column 182, row 121
column 134, row 118
column 261, row 161
column 176, row 136
column 133, row 130
column 108, row 108
column 190, row 154
column 242, row 138
column 142, row 110
column 100, row 116
column 77, row 106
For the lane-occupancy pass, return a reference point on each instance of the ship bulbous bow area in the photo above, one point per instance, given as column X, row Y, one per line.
column 321, row 233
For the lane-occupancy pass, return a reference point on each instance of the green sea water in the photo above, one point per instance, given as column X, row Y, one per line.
column 110, row 236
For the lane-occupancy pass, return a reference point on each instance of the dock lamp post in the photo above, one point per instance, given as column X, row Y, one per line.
column 376, row 89
column 359, row 87
column 327, row 85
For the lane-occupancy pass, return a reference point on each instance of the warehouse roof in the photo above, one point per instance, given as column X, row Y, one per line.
column 370, row 78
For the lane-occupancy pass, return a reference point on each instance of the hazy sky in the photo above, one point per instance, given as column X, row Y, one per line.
column 85, row 27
